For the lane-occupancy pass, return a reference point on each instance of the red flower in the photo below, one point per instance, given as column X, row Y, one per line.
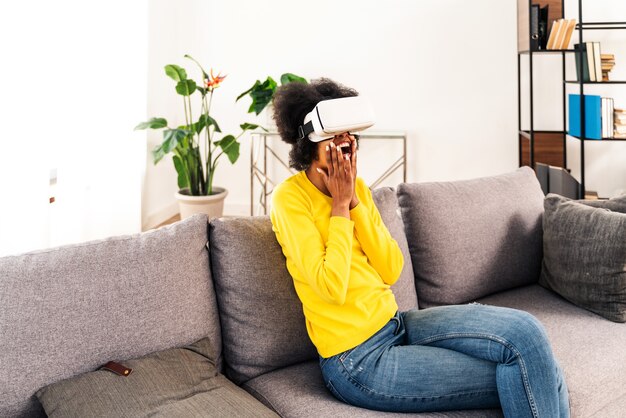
column 214, row 81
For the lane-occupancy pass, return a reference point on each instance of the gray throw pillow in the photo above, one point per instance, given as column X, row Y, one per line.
column 584, row 246
column 471, row 238
column 179, row 382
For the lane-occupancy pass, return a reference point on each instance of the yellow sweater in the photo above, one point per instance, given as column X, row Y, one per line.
column 342, row 268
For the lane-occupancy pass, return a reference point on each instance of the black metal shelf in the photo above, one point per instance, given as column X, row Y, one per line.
column 597, row 140
column 526, row 133
column 545, row 51
column 595, row 82
column 530, row 133
column 601, row 25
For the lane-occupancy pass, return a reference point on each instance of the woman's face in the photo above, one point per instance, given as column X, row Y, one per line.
column 344, row 141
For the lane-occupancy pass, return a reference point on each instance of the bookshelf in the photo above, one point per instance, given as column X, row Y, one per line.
column 550, row 146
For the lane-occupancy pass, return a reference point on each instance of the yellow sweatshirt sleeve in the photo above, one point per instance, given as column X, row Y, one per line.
column 325, row 265
column 381, row 249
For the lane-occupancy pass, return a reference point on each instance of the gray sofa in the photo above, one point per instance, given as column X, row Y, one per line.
column 67, row 311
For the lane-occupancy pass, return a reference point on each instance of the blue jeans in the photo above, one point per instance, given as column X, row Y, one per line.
column 453, row 357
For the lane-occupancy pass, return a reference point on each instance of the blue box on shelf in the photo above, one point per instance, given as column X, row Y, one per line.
column 593, row 116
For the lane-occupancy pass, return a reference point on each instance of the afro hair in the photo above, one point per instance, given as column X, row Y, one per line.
column 292, row 101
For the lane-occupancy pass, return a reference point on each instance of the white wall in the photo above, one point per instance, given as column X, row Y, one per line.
column 443, row 71
column 605, row 163
column 72, row 88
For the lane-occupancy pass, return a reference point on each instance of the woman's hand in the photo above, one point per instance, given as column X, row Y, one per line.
column 355, row 200
column 339, row 180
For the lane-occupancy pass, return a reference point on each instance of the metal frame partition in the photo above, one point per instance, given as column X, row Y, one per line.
column 262, row 152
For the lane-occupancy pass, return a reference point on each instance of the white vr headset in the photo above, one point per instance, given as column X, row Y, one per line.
column 335, row 116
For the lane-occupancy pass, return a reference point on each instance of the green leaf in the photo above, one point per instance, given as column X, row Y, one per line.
column 290, row 77
column 204, row 74
column 157, row 154
column 261, row 94
column 186, row 87
column 171, row 138
column 175, row 72
column 183, row 179
column 154, row 123
column 257, row 83
column 205, row 121
column 249, row 126
column 230, row 146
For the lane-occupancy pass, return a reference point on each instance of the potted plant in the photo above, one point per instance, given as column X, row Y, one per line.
column 263, row 93
column 195, row 145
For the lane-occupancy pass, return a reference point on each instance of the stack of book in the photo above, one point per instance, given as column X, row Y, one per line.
column 619, row 116
column 608, row 62
column 588, row 60
column 561, row 33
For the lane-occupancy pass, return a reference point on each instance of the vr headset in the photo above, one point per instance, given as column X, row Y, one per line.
column 335, row 116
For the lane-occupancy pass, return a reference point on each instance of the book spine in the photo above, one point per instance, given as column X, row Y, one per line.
column 597, row 60
column 581, row 61
column 590, row 61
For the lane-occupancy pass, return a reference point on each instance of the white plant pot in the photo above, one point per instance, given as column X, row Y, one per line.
column 212, row 205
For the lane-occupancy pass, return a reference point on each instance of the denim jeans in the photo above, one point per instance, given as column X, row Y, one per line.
column 453, row 357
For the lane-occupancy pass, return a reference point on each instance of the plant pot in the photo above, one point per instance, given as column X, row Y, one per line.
column 212, row 205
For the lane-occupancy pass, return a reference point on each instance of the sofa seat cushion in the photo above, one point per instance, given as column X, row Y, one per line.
column 66, row 311
column 178, row 382
column 471, row 238
column 590, row 349
column 298, row 391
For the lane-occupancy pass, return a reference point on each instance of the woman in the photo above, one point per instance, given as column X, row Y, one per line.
column 343, row 262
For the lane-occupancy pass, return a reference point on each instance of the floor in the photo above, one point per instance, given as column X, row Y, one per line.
column 171, row 220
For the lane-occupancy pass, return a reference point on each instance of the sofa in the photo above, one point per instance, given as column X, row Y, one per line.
column 65, row 312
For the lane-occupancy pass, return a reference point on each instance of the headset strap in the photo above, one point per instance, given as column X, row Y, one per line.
column 305, row 130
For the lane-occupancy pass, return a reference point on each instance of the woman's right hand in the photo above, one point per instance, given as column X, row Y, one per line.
column 338, row 180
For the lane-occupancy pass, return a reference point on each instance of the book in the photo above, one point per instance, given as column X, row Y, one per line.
column 591, row 61
column 555, row 33
column 593, row 116
column 543, row 26
column 534, row 27
column 607, row 117
column 569, row 29
column 552, row 36
column 581, row 61
column 561, row 34
column 597, row 61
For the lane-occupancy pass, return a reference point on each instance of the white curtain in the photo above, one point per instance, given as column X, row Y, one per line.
column 73, row 85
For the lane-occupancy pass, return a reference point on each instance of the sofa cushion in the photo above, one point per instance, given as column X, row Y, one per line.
column 474, row 237
column 589, row 349
column 298, row 391
column 179, row 382
column 66, row 311
column 584, row 251
column 386, row 201
column 263, row 324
